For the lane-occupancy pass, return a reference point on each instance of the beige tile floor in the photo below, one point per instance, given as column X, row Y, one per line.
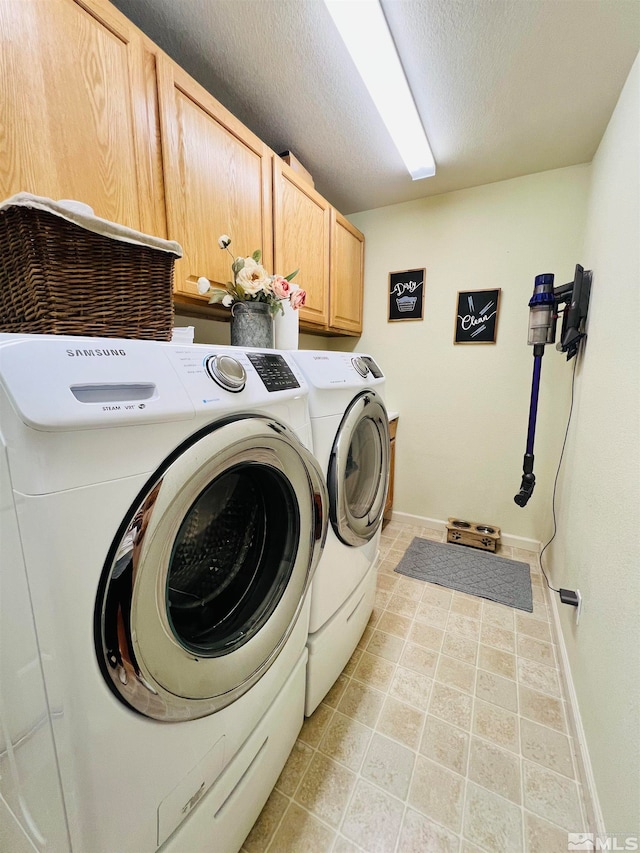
column 447, row 732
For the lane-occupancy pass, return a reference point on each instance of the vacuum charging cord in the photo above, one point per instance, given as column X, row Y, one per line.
column 555, row 486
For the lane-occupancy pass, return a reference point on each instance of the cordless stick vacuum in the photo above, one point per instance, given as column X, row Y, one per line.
column 544, row 308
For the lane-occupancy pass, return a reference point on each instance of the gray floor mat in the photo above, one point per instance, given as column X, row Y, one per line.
column 469, row 570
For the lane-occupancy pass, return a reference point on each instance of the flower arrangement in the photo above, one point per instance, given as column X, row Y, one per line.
column 252, row 283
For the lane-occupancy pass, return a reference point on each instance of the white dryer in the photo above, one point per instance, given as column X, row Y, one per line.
column 170, row 518
column 351, row 443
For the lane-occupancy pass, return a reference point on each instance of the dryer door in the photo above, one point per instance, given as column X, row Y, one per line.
column 359, row 470
column 207, row 576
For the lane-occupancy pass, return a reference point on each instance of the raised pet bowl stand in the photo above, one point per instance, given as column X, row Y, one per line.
column 474, row 534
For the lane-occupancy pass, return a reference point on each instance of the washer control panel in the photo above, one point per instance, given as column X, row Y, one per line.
column 227, row 372
column 273, row 370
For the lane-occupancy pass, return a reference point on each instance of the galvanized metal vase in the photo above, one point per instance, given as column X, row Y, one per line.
column 251, row 325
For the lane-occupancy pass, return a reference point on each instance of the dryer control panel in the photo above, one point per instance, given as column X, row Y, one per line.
column 327, row 369
column 373, row 367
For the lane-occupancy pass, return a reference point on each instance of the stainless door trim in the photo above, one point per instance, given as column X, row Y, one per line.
column 348, row 528
column 155, row 674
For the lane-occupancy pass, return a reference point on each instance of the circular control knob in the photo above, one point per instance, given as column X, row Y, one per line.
column 360, row 365
column 227, row 372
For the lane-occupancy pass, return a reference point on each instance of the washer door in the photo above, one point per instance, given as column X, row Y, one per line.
column 359, row 470
column 205, row 581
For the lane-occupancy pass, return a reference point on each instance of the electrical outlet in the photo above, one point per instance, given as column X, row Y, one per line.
column 579, row 607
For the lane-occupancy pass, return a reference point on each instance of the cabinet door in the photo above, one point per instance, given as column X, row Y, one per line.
column 217, row 178
column 347, row 275
column 301, row 240
column 72, row 100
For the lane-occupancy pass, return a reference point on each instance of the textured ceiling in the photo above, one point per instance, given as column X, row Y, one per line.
column 503, row 87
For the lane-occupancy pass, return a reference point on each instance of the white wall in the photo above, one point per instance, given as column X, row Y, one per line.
column 597, row 548
column 464, row 409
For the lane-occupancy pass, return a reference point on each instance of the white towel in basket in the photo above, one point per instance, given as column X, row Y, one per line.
column 82, row 215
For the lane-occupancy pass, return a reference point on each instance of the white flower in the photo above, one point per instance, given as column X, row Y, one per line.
column 203, row 285
column 253, row 277
column 251, row 283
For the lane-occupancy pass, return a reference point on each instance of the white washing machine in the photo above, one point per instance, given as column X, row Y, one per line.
column 351, row 443
column 31, row 804
column 166, row 515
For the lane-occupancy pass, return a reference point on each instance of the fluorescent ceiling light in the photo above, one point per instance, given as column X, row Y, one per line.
column 364, row 30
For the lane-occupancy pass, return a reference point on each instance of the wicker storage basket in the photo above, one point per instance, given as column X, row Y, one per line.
column 58, row 277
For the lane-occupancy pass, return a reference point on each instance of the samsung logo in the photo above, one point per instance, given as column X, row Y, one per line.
column 88, row 353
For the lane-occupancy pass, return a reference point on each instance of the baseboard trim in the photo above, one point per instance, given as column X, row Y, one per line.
column 438, row 524
column 594, row 812
column 407, row 518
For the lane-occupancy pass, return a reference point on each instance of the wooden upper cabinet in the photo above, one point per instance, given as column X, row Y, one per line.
column 217, row 179
column 92, row 110
column 347, row 275
column 301, row 240
column 73, row 108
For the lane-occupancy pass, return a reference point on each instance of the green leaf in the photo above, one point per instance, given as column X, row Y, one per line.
column 257, row 255
column 237, row 265
column 291, row 276
column 217, row 295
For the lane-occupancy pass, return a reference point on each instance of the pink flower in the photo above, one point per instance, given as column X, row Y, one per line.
column 281, row 287
column 297, row 299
